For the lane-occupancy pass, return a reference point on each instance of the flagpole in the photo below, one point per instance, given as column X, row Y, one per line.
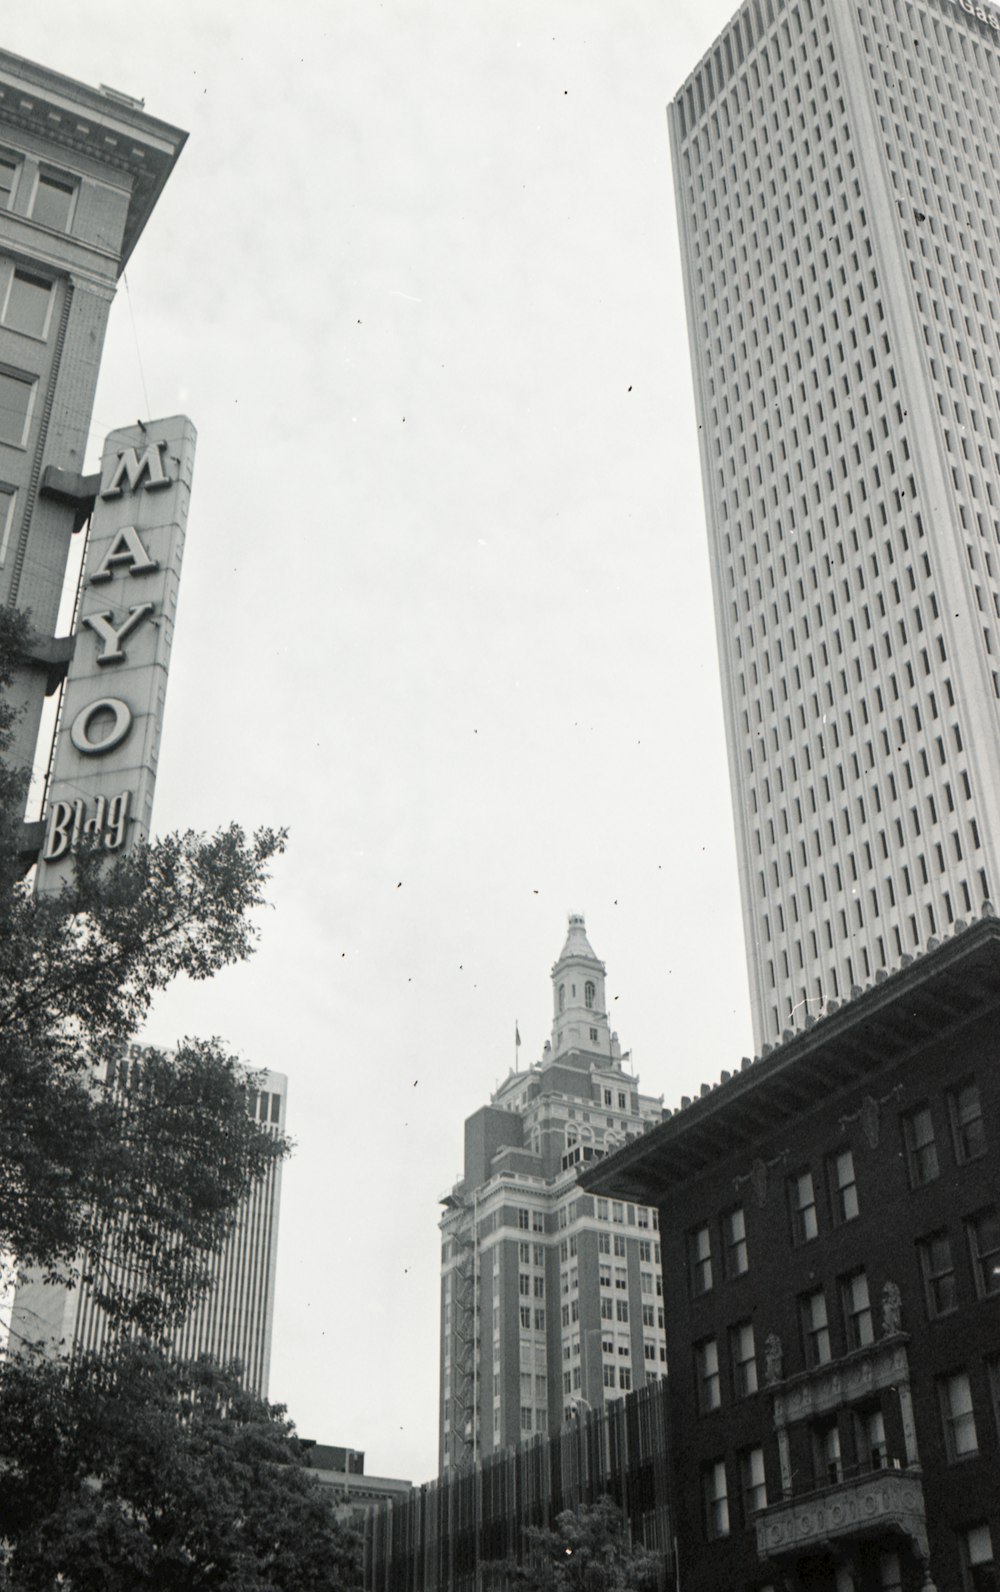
column 517, row 1044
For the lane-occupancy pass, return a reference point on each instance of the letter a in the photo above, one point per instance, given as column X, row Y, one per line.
column 125, row 549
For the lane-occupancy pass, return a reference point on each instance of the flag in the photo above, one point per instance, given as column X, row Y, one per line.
column 517, row 1034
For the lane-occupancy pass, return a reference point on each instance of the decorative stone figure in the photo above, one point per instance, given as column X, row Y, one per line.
column 869, row 1120
column 772, row 1359
column 892, row 1309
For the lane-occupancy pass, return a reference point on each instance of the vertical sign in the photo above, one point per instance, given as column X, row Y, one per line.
column 104, row 766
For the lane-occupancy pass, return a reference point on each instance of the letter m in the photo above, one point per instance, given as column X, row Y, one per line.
column 133, row 469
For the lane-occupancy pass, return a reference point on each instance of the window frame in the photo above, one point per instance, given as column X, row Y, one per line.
column 813, row 1332
column 952, row 1418
column 979, row 1258
column 857, row 1317
column 933, row 1279
column 734, row 1248
column 962, row 1153
column 741, row 1377
column 841, row 1192
column 25, row 379
column 708, row 1376
column 55, row 177
column 700, row 1264
column 803, row 1213
column 915, row 1150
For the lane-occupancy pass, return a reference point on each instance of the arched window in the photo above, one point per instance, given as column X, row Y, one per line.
column 588, row 995
column 562, row 997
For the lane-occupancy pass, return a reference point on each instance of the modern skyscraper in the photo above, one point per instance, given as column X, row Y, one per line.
column 80, row 171
column 550, row 1299
column 233, row 1319
column 837, row 171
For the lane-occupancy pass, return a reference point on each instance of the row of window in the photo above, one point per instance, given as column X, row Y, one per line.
column 967, row 1141
column 52, row 200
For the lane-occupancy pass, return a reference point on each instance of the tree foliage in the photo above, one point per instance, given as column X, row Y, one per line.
column 129, row 1474
column 588, row 1550
column 162, row 1162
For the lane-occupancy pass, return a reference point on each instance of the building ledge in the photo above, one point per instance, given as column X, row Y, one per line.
column 853, row 1377
column 882, row 1501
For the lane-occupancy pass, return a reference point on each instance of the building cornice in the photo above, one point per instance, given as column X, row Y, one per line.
column 941, row 990
column 98, row 124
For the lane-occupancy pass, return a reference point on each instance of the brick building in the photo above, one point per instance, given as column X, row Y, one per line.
column 831, row 1250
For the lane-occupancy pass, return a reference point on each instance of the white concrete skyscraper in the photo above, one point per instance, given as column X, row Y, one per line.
column 837, row 171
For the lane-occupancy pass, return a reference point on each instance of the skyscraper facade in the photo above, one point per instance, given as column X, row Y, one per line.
column 233, row 1320
column 550, row 1300
column 80, row 171
column 837, row 172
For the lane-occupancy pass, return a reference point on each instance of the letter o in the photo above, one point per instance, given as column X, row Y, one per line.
column 79, row 732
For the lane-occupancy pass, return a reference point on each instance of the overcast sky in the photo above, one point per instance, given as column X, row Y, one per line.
column 445, row 609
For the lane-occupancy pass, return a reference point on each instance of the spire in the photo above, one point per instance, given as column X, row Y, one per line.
column 577, row 943
column 579, row 1012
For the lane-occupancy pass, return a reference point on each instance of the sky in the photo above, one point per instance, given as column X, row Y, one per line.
column 445, row 609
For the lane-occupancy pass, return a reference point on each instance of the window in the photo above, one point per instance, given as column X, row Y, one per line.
column 827, row 1463
column 620, row 1245
column 538, row 1222
column 588, row 995
column 921, row 1151
column 27, row 303
column 734, row 1242
column 815, row 1328
column 55, row 197
column 522, row 1219
column 957, row 1416
column 743, row 1359
column 984, row 1246
column 8, row 498
column 9, row 168
column 700, row 1256
column 526, row 1318
column 873, row 1450
column 753, row 1486
column 539, row 1320
column 524, row 1284
column 16, row 399
column 609, row 1376
column 604, row 1243
column 624, row 1377
column 938, row 1271
column 525, row 1419
column 843, row 1188
column 967, row 1133
column 621, row 1310
column 607, row 1310
column 648, row 1316
column 976, row 1546
column 802, row 1205
column 602, row 1210
column 715, row 1499
column 858, row 1329
column 706, row 1357
column 617, row 1212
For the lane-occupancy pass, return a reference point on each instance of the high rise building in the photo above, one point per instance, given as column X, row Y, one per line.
column 233, row 1320
column 80, row 171
column 550, row 1299
column 837, row 171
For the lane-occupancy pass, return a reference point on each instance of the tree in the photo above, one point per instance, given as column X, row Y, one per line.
column 587, row 1551
column 129, row 1474
column 164, row 1161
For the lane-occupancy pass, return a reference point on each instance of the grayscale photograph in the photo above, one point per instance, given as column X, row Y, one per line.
column 500, row 796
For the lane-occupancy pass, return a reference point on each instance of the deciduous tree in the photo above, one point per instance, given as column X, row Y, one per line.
column 588, row 1550
column 165, row 1161
column 129, row 1474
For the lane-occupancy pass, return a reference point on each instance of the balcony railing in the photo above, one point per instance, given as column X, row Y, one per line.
column 877, row 1502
